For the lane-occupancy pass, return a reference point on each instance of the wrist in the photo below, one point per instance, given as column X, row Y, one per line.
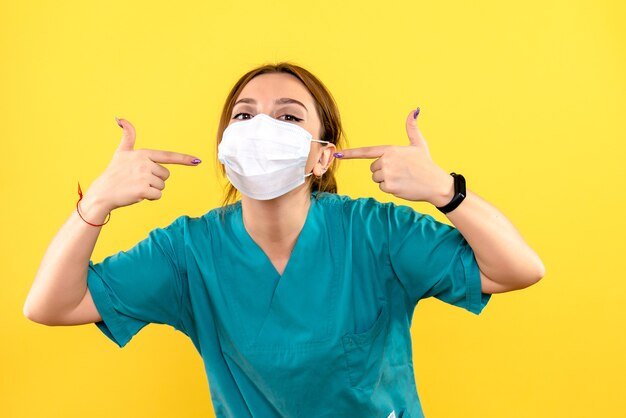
column 444, row 192
column 93, row 209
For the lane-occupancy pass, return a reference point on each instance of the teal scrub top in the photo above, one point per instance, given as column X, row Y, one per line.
column 329, row 338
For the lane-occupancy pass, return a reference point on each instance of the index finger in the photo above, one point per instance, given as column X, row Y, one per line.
column 171, row 157
column 363, row 152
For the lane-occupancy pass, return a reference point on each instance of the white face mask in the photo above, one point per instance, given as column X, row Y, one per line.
column 264, row 157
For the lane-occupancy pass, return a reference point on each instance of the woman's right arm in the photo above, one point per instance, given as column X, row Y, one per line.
column 59, row 294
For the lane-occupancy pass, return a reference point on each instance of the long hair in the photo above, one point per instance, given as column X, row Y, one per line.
column 325, row 105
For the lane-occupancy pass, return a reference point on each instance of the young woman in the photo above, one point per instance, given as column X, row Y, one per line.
column 298, row 299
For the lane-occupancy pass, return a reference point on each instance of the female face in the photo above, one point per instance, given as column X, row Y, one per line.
column 284, row 97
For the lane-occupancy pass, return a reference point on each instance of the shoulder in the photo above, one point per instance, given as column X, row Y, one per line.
column 370, row 210
column 347, row 202
column 186, row 224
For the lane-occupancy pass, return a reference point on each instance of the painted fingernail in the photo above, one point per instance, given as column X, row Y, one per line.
column 338, row 155
column 118, row 122
column 196, row 161
column 417, row 112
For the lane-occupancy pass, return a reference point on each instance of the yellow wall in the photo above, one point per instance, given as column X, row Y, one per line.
column 526, row 99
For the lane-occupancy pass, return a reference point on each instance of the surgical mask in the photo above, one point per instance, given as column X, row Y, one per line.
column 264, row 157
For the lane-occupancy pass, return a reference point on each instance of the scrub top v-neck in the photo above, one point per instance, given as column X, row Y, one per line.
column 330, row 337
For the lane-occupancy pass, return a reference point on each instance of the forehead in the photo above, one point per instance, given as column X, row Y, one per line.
column 276, row 85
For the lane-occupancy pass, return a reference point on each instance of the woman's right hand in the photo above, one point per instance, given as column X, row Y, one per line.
column 131, row 176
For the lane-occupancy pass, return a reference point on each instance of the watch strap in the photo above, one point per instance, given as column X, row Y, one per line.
column 459, row 194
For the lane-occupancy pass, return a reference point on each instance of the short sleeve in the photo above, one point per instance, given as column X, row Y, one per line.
column 431, row 258
column 140, row 286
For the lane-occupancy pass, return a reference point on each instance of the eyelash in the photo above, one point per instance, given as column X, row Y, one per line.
column 295, row 119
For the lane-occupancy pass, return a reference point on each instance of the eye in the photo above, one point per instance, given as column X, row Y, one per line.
column 291, row 118
column 242, row 114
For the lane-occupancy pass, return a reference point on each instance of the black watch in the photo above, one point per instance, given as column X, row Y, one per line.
column 459, row 194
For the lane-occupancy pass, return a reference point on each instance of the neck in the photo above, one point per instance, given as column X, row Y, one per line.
column 277, row 222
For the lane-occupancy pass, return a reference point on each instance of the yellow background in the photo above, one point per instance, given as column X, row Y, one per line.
column 526, row 99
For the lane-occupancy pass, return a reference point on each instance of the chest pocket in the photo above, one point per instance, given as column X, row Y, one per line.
column 284, row 380
column 366, row 353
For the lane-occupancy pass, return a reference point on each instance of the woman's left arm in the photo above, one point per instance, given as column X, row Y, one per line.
column 505, row 260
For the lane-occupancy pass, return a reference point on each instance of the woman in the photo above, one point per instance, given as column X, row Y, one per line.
column 298, row 299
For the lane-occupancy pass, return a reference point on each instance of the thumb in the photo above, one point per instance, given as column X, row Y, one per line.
column 128, row 137
column 413, row 131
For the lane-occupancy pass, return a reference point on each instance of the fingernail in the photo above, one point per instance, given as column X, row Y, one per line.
column 196, row 161
column 338, row 155
column 417, row 112
column 119, row 123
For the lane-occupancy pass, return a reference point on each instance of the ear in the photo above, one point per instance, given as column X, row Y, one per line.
column 326, row 158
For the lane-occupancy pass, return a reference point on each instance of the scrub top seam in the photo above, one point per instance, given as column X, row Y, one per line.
column 106, row 308
column 174, row 263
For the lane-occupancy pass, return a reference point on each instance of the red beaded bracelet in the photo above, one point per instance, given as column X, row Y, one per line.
column 80, row 194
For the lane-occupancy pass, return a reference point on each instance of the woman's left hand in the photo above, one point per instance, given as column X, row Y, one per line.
column 407, row 172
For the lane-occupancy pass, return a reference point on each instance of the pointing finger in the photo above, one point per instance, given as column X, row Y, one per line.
column 170, row 157
column 363, row 152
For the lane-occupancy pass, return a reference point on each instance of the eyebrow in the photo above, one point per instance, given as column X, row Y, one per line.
column 283, row 100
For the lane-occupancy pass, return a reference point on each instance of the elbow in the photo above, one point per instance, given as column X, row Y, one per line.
column 29, row 310
column 527, row 278
column 534, row 276
column 31, row 313
column 513, row 280
column 540, row 272
column 36, row 315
